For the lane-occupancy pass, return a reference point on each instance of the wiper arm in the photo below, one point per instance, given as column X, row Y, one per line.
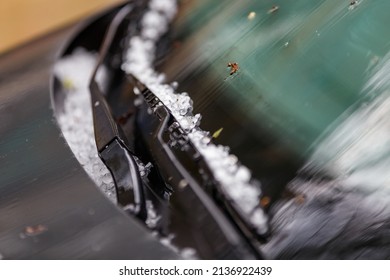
column 109, row 137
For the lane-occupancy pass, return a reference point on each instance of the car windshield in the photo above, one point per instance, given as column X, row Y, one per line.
column 289, row 84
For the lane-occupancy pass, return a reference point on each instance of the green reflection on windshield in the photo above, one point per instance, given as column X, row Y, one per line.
column 300, row 67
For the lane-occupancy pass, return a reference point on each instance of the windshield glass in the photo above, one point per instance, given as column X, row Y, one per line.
column 290, row 83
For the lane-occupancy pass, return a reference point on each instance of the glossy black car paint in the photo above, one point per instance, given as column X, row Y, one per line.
column 49, row 207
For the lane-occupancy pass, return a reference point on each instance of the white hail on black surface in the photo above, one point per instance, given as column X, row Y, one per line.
column 74, row 72
column 234, row 178
column 76, row 123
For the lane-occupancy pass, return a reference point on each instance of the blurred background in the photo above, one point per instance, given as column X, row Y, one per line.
column 22, row 20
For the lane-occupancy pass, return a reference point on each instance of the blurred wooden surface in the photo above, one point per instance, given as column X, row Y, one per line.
column 22, row 20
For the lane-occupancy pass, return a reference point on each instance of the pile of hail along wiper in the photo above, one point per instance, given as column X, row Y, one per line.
column 325, row 221
column 234, row 178
column 76, row 120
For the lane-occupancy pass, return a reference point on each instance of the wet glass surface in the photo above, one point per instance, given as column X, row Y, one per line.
column 305, row 69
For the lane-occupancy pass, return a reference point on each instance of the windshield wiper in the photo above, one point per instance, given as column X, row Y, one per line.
column 109, row 137
column 194, row 215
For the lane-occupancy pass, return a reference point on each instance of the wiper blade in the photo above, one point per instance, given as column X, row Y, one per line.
column 233, row 236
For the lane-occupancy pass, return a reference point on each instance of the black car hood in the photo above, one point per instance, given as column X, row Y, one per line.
column 50, row 208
